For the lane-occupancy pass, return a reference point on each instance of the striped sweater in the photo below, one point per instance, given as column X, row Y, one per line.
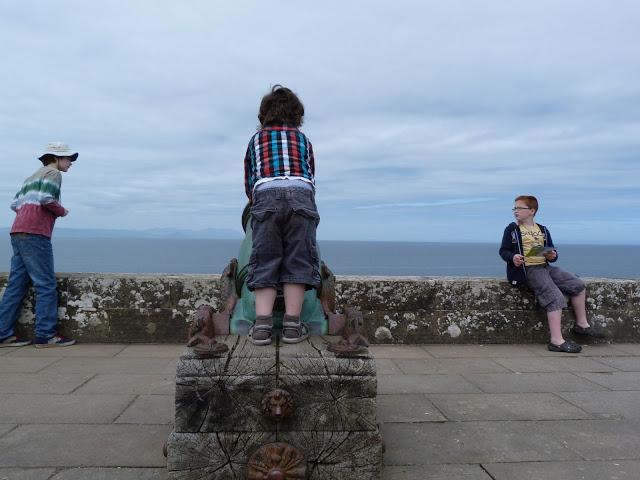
column 37, row 203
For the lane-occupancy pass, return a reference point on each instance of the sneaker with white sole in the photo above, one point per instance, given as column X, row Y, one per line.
column 14, row 341
column 55, row 341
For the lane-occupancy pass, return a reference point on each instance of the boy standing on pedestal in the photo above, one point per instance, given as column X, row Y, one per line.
column 280, row 184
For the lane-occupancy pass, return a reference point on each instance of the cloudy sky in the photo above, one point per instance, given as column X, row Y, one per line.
column 427, row 117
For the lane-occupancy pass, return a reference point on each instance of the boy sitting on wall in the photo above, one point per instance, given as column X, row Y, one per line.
column 528, row 250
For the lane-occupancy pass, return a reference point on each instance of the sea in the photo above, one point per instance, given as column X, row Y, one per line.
column 200, row 256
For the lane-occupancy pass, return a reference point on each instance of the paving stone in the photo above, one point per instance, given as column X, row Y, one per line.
column 54, row 383
column 118, row 365
column 112, row 474
column 533, row 382
column 4, row 428
column 26, row 473
column 435, row 472
column 626, row 364
column 482, row 351
column 598, row 350
column 150, row 409
column 588, row 350
column 134, row 384
column 398, row 351
column 449, row 365
column 20, row 408
column 506, row 406
column 403, row 384
column 6, row 351
column 77, row 350
column 614, row 380
column 154, row 350
column 609, row 470
column 561, row 363
column 407, row 408
column 386, row 366
column 611, row 439
column 623, row 404
column 84, row 445
column 171, row 367
column 472, row 442
column 11, row 364
column 628, row 348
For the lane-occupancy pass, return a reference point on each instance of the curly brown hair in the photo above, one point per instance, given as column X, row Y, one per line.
column 280, row 107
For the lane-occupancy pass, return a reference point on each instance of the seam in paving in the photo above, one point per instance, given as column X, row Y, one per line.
column 487, row 472
column 48, row 364
column 83, row 383
column 135, row 397
column 15, row 427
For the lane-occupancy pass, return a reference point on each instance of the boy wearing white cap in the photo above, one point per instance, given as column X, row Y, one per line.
column 37, row 205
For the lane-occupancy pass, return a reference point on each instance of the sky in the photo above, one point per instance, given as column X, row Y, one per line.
column 427, row 118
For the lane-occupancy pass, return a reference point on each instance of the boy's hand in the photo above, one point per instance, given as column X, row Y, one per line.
column 518, row 260
column 66, row 212
column 552, row 255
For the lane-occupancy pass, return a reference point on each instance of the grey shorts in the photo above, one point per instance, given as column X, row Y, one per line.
column 283, row 223
column 550, row 284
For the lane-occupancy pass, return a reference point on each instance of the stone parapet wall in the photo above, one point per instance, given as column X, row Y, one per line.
column 157, row 308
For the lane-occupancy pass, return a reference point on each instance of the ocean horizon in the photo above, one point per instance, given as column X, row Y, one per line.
column 371, row 258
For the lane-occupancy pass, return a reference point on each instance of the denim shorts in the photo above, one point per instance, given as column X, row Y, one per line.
column 550, row 284
column 283, row 223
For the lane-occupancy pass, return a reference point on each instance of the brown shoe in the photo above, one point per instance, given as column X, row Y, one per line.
column 262, row 330
column 293, row 330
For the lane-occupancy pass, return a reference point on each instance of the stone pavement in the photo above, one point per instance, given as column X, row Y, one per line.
column 470, row 412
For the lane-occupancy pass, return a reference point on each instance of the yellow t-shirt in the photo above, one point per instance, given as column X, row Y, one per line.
column 532, row 236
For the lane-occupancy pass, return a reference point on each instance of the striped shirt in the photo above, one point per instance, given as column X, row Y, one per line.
column 278, row 151
column 37, row 203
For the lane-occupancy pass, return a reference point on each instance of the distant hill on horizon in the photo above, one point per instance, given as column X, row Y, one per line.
column 205, row 233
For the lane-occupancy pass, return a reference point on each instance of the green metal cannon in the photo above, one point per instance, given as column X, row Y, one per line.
column 238, row 311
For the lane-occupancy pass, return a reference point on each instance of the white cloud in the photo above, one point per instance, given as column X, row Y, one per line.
column 409, row 105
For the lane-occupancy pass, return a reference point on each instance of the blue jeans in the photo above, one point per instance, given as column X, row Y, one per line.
column 32, row 262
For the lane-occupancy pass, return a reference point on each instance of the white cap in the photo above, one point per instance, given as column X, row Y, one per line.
column 59, row 149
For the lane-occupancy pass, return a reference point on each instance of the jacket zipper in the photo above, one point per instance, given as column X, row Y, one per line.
column 518, row 236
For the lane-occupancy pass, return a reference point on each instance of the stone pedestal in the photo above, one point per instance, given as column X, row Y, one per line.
column 314, row 412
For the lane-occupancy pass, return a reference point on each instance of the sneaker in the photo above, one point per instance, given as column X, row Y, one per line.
column 55, row 341
column 14, row 341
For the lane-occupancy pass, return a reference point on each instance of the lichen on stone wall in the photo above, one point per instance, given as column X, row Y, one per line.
column 158, row 308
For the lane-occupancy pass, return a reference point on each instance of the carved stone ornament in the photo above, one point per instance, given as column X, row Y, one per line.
column 353, row 341
column 277, row 461
column 344, row 348
column 277, row 404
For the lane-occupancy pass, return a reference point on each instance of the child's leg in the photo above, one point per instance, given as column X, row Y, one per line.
column 293, row 298
column 549, row 297
column 265, row 297
column 571, row 285
column 578, row 302
column 555, row 326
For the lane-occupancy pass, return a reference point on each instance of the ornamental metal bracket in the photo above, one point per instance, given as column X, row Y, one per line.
column 277, row 461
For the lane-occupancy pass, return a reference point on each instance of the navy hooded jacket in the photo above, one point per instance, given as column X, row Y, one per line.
column 512, row 245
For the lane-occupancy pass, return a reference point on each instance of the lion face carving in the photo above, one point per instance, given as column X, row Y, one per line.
column 277, row 404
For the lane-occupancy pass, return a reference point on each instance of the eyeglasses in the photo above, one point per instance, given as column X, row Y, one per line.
column 520, row 208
